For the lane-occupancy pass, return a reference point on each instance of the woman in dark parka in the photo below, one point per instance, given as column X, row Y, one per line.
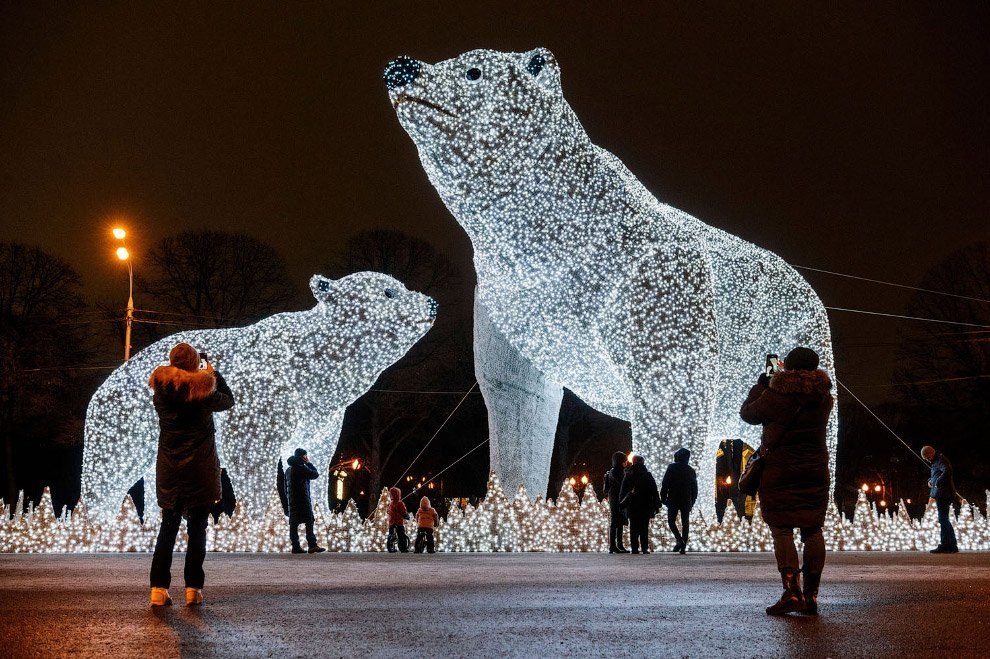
column 794, row 407
column 188, row 469
column 612, row 485
column 641, row 499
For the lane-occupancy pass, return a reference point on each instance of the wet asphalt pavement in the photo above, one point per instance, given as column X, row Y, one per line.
column 381, row 605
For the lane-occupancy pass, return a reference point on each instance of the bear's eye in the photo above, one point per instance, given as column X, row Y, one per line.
column 391, row 293
column 324, row 285
column 536, row 64
column 473, row 74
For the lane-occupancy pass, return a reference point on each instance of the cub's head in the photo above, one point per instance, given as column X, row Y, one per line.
column 480, row 112
column 366, row 322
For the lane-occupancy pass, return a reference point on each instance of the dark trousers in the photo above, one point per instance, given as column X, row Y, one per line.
column 639, row 529
column 685, row 510
column 947, row 533
column 294, row 532
column 786, row 553
column 616, row 522
column 424, row 538
column 397, row 532
column 161, row 563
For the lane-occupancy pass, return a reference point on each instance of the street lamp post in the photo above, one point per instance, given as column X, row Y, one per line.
column 124, row 255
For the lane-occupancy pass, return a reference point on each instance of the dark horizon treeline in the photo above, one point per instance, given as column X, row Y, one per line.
column 56, row 348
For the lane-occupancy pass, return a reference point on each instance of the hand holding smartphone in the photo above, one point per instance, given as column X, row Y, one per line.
column 773, row 365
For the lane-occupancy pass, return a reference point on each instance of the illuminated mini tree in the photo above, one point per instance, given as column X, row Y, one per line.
column 587, row 281
column 292, row 376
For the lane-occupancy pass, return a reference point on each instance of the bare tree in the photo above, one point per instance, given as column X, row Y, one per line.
column 41, row 320
column 217, row 279
column 945, row 369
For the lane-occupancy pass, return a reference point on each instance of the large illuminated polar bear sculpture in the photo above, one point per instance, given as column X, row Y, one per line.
column 585, row 280
column 292, row 375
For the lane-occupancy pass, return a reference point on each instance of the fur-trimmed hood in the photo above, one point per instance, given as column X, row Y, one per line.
column 801, row 382
column 187, row 386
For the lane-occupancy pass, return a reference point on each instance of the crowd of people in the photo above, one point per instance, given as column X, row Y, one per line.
column 790, row 469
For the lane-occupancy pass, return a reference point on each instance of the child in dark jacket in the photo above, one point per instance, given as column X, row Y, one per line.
column 679, row 491
column 397, row 516
column 427, row 519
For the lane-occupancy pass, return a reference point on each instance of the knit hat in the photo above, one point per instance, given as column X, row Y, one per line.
column 801, row 359
column 639, row 460
column 184, row 356
column 300, row 452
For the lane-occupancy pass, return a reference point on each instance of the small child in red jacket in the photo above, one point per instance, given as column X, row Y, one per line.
column 426, row 520
column 397, row 516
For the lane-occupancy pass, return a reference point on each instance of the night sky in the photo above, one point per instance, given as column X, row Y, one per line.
column 850, row 138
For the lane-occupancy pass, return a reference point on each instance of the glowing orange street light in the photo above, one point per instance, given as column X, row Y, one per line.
column 883, row 504
column 573, row 481
column 124, row 255
column 728, row 480
column 356, row 464
column 866, row 488
column 876, row 489
column 584, row 479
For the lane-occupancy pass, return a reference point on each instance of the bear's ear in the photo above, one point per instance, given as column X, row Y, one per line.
column 322, row 287
column 541, row 65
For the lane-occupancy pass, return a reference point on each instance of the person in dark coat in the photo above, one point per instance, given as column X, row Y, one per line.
column 297, row 477
column 641, row 500
column 612, row 484
column 942, row 494
column 397, row 516
column 679, row 491
column 794, row 407
column 187, row 469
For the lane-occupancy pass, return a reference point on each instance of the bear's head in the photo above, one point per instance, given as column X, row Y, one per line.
column 364, row 323
column 481, row 116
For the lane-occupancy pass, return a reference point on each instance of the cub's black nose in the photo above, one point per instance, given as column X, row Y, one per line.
column 401, row 71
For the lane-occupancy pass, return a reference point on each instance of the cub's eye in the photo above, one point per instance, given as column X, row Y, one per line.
column 536, row 64
column 391, row 293
column 473, row 74
column 324, row 286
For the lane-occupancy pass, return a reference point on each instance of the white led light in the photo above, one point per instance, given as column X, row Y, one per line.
column 292, row 375
column 585, row 280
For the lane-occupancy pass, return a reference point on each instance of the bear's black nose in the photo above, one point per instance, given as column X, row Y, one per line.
column 401, row 71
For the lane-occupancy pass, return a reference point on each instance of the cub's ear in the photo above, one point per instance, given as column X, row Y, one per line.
column 541, row 65
column 322, row 287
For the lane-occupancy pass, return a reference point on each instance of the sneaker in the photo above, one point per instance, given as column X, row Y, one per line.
column 194, row 596
column 160, row 597
column 298, row 550
column 316, row 550
column 683, row 550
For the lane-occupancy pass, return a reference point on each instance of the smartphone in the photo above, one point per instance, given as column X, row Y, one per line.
column 203, row 360
column 773, row 365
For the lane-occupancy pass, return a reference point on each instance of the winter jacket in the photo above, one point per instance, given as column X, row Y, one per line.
column 426, row 516
column 188, row 469
column 679, row 488
column 612, row 484
column 644, row 498
column 943, row 487
column 397, row 513
column 297, row 477
column 794, row 410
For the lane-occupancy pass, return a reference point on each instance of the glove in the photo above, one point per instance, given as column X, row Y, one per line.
column 763, row 380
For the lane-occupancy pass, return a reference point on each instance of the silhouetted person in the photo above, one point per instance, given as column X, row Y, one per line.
column 188, row 469
column 679, row 491
column 612, row 485
column 943, row 494
column 641, row 500
column 297, row 477
column 794, row 406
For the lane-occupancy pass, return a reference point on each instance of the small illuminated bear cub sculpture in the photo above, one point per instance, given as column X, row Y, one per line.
column 292, row 375
column 585, row 279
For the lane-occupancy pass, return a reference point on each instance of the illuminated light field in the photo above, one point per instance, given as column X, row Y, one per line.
column 495, row 525
column 586, row 280
column 292, row 375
